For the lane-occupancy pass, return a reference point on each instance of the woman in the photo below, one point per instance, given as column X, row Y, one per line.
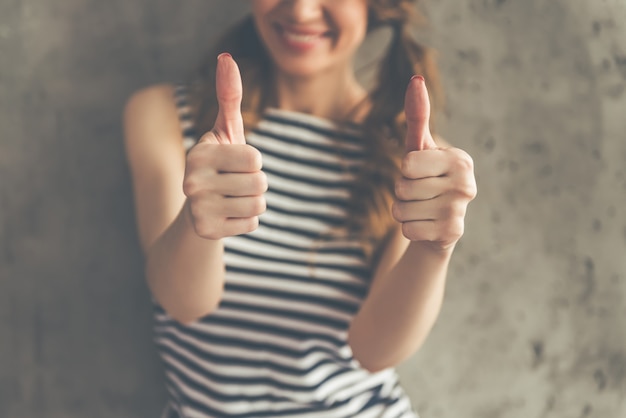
column 298, row 250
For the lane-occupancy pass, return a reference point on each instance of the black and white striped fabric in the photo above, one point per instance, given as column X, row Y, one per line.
column 276, row 345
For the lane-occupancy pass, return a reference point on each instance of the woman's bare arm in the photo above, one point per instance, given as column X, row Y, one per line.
column 185, row 272
column 432, row 196
column 403, row 303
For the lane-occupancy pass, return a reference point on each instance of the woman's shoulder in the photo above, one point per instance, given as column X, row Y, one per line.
column 150, row 101
column 151, row 120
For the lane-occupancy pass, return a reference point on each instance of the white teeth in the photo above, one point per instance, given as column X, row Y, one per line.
column 297, row 37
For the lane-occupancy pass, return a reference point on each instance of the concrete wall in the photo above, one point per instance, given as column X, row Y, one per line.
column 533, row 321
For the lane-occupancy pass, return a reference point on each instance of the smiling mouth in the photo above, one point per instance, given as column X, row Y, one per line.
column 299, row 37
column 301, row 40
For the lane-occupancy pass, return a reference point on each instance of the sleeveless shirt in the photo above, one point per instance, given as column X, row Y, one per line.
column 276, row 346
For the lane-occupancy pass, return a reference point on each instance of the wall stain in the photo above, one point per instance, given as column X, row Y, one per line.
column 545, row 171
column 600, row 25
column 600, row 379
column 620, row 61
column 490, row 144
column 535, row 147
column 616, row 92
column 550, row 404
column 471, row 56
column 538, row 351
column 615, row 279
column 611, row 211
column 596, row 154
column 589, row 280
column 596, row 27
column 597, row 225
column 617, row 368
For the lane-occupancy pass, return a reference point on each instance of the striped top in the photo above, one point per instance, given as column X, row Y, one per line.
column 276, row 345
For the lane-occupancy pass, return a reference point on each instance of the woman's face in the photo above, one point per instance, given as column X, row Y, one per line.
column 305, row 37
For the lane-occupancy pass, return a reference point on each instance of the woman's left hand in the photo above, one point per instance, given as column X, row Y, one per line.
column 437, row 182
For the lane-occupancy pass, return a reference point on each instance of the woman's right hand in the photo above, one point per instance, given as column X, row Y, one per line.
column 223, row 180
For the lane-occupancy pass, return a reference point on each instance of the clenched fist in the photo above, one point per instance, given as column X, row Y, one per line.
column 437, row 183
column 223, row 180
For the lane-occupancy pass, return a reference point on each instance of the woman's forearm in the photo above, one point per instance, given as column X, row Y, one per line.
column 184, row 271
column 396, row 318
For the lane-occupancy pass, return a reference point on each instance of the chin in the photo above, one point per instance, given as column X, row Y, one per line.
column 300, row 70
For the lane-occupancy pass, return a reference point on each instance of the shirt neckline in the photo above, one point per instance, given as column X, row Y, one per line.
column 314, row 120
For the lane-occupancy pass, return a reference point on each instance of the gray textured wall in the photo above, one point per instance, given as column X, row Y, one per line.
column 533, row 321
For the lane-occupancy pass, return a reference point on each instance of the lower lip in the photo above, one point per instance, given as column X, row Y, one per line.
column 299, row 45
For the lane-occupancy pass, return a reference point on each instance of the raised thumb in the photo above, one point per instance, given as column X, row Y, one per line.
column 229, row 92
column 417, row 112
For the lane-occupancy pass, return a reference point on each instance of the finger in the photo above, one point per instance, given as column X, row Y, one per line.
column 243, row 207
column 238, row 226
column 419, row 210
column 238, row 158
column 242, row 158
column 421, row 230
column 240, row 185
column 226, row 227
column 443, row 234
column 422, row 189
column 229, row 92
column 429, row 163
column 440, row 208
column 417, row 111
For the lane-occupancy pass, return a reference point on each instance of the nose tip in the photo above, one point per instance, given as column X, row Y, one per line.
column 303, row 10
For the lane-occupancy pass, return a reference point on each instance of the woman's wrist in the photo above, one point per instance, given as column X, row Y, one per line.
column 436, row 249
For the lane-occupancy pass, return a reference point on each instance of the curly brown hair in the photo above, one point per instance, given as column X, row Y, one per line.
column 384, row 124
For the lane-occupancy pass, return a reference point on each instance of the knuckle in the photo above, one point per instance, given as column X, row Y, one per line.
column 252, row 157
column 259, row 205
column 410, row 232
column 456, row 210
column 259, row 182
column 457, row 230
column 205, row 229
column 466, row 189
column 451, row 231
column 396, row 211
column 471, row 190
column 400, row 189
column 463, row 181
column 247, row 225
column 190, row 186
column 193, row 157
column 406, row 167
column 196, row 214
column 406, row 231
column 463, row 162
column 252, row 224
column 264, row 183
